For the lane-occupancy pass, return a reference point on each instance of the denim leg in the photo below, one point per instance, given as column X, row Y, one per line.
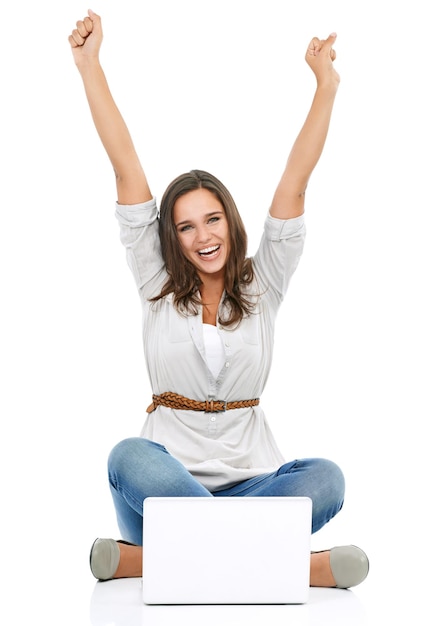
column 319, row 479
column 139, row 468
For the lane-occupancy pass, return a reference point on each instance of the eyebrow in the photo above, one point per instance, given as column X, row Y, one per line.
column 220, row 212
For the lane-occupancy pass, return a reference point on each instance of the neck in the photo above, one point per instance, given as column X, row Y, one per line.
column 212, row 286
column 211, row 291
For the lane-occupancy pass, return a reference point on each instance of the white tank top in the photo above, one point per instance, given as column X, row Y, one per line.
column 215, row 354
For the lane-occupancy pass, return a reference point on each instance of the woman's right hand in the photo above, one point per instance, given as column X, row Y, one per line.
column 86, row 38
column 85, row 41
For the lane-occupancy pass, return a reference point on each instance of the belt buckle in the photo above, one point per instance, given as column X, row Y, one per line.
column 211, row 408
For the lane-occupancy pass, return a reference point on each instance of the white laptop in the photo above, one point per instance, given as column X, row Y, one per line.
column 228, row 550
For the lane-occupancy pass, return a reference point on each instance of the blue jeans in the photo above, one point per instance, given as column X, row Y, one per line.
column 139, row 468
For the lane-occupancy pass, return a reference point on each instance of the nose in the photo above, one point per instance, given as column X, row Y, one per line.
column 203, row 234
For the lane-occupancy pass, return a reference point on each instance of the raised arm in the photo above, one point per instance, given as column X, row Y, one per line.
column 131, row 183
column 288, row 200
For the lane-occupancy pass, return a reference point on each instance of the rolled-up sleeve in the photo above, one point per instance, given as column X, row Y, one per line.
column 279, row 252
column 139, row 235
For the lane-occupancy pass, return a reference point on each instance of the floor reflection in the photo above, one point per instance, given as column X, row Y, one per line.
column 119, row 603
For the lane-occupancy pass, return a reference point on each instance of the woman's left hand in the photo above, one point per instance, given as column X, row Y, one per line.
column 320, row 56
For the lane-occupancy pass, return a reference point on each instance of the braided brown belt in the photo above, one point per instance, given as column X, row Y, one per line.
column 176, row 401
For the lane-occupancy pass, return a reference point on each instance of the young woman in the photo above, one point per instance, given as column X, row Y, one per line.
column 209, row 314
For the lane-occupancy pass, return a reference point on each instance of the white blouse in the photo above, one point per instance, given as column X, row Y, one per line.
column 219, row 449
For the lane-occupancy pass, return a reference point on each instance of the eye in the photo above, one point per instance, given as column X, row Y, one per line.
column 213, row 219
column 184, row 228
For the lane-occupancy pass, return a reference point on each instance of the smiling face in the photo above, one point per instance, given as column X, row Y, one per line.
column 202, row 231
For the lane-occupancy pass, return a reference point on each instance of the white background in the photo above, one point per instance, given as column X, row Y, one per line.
column 360, row 366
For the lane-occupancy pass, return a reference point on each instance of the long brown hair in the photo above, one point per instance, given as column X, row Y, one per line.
column 183, row 280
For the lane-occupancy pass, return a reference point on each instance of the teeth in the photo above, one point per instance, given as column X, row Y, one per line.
column 208, row 250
